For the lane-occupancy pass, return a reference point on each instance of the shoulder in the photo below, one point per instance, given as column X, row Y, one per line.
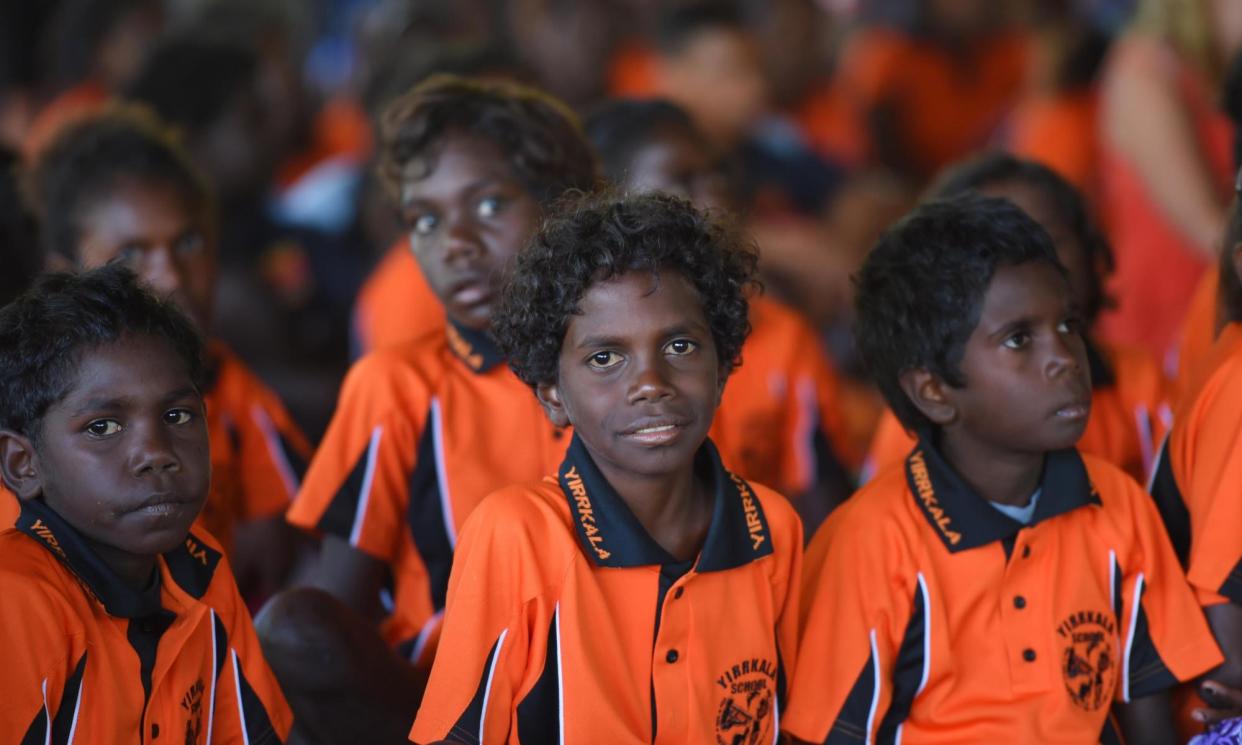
column 527, row 518
column 236, row 385
column 876, row 520
column 39, row 593
column 1118, row 492
column 392, row 379
column 783, row 521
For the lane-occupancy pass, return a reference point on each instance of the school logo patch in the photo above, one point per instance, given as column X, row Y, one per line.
column 748, row 693
column 192, row 704
column 1089, row 661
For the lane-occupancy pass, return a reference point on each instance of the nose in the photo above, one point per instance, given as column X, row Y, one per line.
column 1066, row 354
column 650, row 381
column 152, row 452
column 161, row 272
column 462, row 241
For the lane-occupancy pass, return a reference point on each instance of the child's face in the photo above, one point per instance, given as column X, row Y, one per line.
column 718, row 78
column 123, row 457
column 1070, row 251
column 1027, row 388
column 468, row 217
column 150, row 228
column 674, row 163
column 639, row 377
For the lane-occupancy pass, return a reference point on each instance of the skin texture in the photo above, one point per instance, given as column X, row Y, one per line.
column 468, row 216
column 641, row 357
column 167, row 242
column 1026, row 357
column 123, row 457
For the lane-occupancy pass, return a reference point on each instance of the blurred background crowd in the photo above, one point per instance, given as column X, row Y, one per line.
column 827, row 118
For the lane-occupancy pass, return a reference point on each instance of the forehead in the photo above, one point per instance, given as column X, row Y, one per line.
column 637, row 304
column 135, row 366
column 136, row 206
column 1023, row 291
column 458, row 161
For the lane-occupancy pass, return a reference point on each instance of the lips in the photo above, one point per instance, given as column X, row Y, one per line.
column 470, row 290
column 1074, row 410
column 162, row 504
column 655, row 431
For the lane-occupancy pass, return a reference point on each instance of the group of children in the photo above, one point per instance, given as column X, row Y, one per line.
column 568, row 505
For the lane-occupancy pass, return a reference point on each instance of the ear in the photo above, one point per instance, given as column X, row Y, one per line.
column 19, row 465
column 549, row 395
column 930, row 395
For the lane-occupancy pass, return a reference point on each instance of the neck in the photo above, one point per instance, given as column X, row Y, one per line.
column 134, row 570
column 674, row 508
column 1001, row 476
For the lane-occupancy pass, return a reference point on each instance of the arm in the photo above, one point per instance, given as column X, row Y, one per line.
column 1147, row 721
column 1144, row 118
column 351, row 576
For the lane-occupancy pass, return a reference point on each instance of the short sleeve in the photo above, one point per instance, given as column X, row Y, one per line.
column 1165, row 636
column 253, row 709
column 489, row 632
column 357, row 486
column 272, row 456
column 853, row 614
column 1213, row 495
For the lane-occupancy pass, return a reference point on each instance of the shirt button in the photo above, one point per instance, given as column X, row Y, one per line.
column 1028, row 655
column 1026, row 552
column 1019, row 602
column 155, row 731
column 671, row 657
column 678, row 592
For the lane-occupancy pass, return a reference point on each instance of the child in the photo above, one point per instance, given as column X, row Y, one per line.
column 424, row 430
column 645, row 593
column 119, row 622
column 1000, row 587
column 114, row 187
column 778, row 422
column 1196, row 481
column 1129, row 399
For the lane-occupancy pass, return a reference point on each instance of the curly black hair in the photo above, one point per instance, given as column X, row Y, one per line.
column 995, row 168
column 920, row 291
column 86, row 160
column 602, row 236
column 45, row 332
column 539, row 135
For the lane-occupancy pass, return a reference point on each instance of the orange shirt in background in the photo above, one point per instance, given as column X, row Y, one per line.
column 941, row 107
column 1196, row 339
column 395, row 304
column 1130, row 413
column 1061, row 132
column 81, row 100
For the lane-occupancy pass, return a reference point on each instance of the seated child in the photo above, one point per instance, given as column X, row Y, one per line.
column 779, row 422
column 1196, row 480
column 1129, row 393
column 120, row 623
column 643, row 593
column 114, row 187
column 1000, row 587
column 424, row 430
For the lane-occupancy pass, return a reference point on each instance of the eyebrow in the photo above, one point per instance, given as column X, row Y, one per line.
column 470, row 188
column 120, row 402
column 616, row 341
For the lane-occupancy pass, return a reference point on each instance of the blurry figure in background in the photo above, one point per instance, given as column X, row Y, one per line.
column 1130, row 396
column 21, row 260
column 927, row 95
column 778, row 423
column 93, row 47
column 1203, row 319
column 113, row 187
column 22, row 72
column 1056, row 121
column 1165, row 161
column 565, row 43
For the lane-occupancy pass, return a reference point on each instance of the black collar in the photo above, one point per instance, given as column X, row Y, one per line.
column 475, row 348
column 1101, row 372
column 964, row 520
column 612, row 536
column 41, row 523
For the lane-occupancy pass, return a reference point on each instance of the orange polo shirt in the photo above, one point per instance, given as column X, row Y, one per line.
column 395, row 304
column 931, row 617
column 9, row 508
column 567, row 622
column 257, row 453
column 89, row 659
column 1130, row 414
column 422, row 432
column 1197, row 338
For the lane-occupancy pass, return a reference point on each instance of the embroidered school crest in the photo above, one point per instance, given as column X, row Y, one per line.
column 1089, row 661
column 748, row 695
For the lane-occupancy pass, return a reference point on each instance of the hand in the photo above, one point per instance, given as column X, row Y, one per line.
column 1223, row 703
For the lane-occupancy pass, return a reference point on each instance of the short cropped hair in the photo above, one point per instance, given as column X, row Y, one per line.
column 991, row 169
column 619, row 129
column 45, row 332
column 920, row 291
column 604, row 236
column 89, row 157
column 538, row 134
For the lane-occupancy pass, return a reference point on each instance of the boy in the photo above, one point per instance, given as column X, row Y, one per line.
column 424, row 430
column 1000, row 587
column 778, row 422
column 1196, row 480
column 1129, row 396
column 114, row 187
column 119, row 622
column 643, row 558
